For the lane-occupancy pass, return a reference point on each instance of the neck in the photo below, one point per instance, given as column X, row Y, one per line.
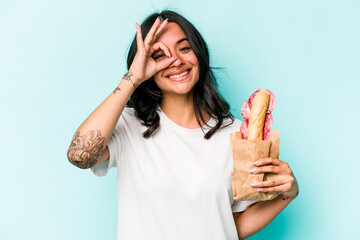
column 180, row 109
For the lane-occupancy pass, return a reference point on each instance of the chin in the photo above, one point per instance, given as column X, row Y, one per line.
column 178, row 88
column 186, row 91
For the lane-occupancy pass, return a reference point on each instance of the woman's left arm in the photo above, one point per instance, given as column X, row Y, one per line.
column 261, row 214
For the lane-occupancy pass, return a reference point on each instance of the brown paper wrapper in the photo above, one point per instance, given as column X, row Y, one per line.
column 245, row 153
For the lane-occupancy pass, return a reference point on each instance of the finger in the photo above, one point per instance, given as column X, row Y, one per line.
column 150, row 36
column 159, row 46
column 267, row 184
column 266, row 169
column 165, row 63
column 162, row 26
column 272, row 189
column 139, row 41
column 266, row 161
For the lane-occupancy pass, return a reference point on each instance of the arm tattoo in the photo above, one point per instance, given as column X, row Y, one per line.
column 116, row 89
column 127, row 76
column 85, row 150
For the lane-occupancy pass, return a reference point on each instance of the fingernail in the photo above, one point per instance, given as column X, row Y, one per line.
column 166, row 19
column 254, row 184
column 252, row 170
column 260, row 190
column 256, row 163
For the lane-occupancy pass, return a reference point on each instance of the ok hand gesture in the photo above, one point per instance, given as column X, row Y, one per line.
column 144, row 66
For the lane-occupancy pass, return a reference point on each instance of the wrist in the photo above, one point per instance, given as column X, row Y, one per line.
column 129, row 77
column 285, row 196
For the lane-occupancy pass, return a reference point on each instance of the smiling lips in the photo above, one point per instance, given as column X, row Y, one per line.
column 180, row 76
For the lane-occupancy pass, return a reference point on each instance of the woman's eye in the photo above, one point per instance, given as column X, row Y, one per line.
column 159, row 57
column 185, row 49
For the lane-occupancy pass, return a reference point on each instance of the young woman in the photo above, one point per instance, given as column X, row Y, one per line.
column 166, row 129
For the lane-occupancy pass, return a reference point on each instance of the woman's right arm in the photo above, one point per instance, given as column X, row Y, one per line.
column 89, row 144
column 90, row 139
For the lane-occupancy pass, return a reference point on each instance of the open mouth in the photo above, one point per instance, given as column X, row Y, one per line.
column 181, row 76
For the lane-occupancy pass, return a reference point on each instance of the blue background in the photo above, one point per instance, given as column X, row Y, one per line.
column 60, row 59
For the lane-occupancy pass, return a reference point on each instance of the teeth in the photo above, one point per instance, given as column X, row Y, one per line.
column 179, row 75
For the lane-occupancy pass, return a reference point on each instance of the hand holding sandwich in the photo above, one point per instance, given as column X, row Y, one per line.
column 262, row 102
column 285, row 182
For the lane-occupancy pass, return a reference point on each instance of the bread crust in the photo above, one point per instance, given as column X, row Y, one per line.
column 257, row 116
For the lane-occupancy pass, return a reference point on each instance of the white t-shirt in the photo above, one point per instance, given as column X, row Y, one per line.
column 174, row 185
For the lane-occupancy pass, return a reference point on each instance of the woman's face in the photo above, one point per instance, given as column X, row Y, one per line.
column 182, row 75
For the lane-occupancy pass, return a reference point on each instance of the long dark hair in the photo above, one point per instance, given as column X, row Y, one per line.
column 147, row 96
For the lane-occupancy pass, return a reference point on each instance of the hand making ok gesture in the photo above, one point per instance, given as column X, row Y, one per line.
column 144, row 66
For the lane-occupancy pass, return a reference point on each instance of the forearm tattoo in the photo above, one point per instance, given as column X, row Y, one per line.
column 85, row 149
column 116, row 89
column 127, row 76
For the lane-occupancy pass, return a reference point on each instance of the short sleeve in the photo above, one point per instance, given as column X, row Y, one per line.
column 115, row 150
column 240, row 206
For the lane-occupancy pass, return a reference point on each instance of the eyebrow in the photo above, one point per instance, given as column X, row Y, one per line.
column 181, row 40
